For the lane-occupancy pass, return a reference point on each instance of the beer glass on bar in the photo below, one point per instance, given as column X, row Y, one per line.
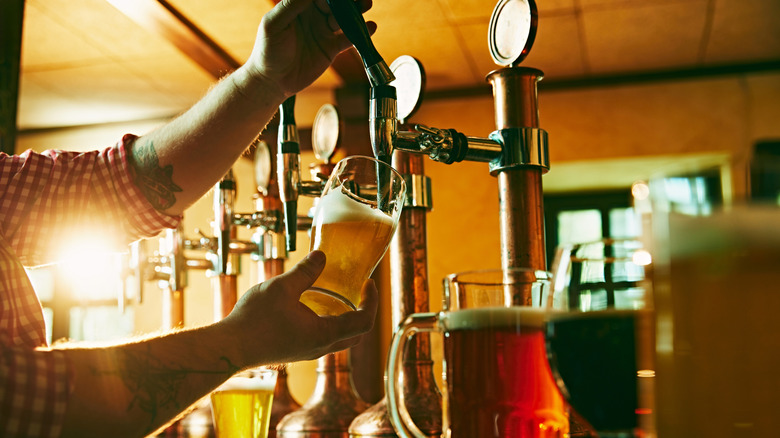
column 498, row 381
column 242, row 405
column 353, row 223
column 599, row 335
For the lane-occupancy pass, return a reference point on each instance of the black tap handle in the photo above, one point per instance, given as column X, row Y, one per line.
column 354, row 27
column 287, row 111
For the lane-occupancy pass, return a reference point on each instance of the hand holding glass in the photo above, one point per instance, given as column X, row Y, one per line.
column 354, row 221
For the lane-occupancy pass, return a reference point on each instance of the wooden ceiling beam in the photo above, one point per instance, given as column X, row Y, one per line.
column 161, row 17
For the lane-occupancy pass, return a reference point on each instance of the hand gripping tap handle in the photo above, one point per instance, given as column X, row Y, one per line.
column 224, row 205
column 289, row 168
column 354, row 27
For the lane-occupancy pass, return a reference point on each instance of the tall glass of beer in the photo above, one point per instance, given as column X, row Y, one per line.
column 498, row 381
column 242, row 406
column 354, row 221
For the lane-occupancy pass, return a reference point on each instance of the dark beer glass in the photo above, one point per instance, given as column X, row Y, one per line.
column 599, row 335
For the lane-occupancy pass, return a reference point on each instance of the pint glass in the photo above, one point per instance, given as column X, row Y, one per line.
column 498, row 381
column 354, row 221
column 242, row 405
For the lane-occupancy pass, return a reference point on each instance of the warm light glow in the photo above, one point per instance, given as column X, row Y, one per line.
column 90, row 267
column 645, row 373
column 642, row 258
column 640, row 190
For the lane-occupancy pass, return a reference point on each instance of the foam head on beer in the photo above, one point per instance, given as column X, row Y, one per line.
column 354, row 236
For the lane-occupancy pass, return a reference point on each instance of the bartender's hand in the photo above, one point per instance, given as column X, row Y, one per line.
column 296, row 41
column 273, row 326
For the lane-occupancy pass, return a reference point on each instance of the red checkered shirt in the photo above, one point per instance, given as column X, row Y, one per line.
column 42, row 196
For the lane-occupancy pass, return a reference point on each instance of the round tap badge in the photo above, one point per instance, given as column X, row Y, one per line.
column 512, row 31
column 409, row 84
column 325, row 132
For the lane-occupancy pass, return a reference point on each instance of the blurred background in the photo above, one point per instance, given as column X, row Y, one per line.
column 690, row 88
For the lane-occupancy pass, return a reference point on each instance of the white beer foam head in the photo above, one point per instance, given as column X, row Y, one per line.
column 240, row 383
column 496, row 317
column 336, row 206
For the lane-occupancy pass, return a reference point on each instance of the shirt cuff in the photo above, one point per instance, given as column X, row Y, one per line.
column 144, row 218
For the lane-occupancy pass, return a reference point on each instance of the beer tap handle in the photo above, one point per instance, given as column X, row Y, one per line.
column 289, row 168
column 354, row 27
column 223, row 216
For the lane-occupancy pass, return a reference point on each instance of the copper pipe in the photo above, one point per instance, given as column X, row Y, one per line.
column 172, row 309
column 521, row 210
column 515, row 97
column 225, row 294
column 333, row 405
column 409, row 294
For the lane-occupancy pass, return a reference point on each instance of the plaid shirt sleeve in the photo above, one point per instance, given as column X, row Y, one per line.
column 50, row 196
column 42, row 198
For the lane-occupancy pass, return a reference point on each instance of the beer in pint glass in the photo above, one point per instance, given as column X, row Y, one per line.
column 354, row 221
column 242, row 405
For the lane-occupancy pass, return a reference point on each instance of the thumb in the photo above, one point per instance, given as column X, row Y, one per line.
column 303, row 274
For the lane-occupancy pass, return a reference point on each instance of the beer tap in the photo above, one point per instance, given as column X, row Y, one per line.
column 516, row 151
column 289, row 169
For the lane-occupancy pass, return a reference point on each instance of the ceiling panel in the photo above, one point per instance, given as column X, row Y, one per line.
column 70, row 45
column 646, row 36
column 746, row 30
column 557, row 49
column 468, row 10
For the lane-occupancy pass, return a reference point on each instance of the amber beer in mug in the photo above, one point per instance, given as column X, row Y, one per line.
column 354, row 221
column 242, row 406
column 498, row 380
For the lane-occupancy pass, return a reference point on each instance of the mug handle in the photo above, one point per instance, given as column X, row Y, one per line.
column 399, row 415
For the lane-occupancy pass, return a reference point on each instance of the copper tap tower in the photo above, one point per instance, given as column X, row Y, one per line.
column 409, row 277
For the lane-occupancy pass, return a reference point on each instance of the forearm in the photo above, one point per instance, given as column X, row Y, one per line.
column 133, row 389
column 179, row 162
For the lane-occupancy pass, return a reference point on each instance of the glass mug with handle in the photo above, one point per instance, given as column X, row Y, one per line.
column 599, row 335
column 354, row 221
column 498, row 382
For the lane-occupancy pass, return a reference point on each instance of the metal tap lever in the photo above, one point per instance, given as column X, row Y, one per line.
column 383, row 121
column 289, row 168
column 223, row 217
column 354, row 27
